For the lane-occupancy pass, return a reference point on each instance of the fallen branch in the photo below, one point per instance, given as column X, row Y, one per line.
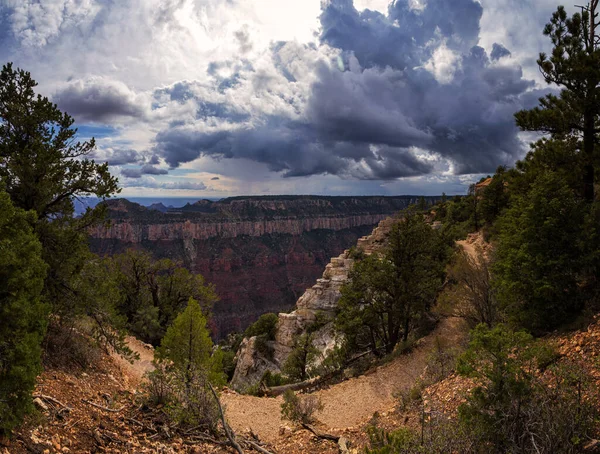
column 101, row 407
column 53, row 400
column 228, row 432
column 321, row 435
column 194, row 439
column 257, row 447
column 141, row 424
column 278, row 390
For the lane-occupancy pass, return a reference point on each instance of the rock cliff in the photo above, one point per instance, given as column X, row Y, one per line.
column 261, row 253
column 320, row 298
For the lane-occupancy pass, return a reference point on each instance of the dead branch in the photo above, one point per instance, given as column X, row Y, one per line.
column 53, row 400
column 228, row 432
column 101, row 407
column 321, row 435
column 257, row 447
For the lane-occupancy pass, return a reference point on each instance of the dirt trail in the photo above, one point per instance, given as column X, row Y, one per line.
column 347, row 404
column 350, row 403
column 135, row 372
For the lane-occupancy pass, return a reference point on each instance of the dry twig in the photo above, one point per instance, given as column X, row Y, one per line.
column 101, row 407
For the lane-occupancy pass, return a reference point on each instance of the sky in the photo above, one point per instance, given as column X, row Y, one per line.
column 214, row 98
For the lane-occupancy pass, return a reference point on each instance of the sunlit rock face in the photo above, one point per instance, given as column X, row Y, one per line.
column 261, row 253
column 322, row 299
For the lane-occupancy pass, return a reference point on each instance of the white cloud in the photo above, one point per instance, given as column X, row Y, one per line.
column 443, row 64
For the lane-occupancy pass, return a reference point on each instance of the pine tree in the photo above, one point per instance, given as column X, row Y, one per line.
column 188, row 346
column 22, row 313
column 388, row 293
column 541, row 255
column 574, row 65
column 43, row 169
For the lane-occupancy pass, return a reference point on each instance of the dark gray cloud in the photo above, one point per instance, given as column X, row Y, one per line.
column 118, row 157
column 499, row 51
column 99, row 100
column 146, row 169
column 411, row 92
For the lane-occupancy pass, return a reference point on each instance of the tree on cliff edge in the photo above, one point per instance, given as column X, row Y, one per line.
column 574, row 65
column 43, row 169
column 388, row 293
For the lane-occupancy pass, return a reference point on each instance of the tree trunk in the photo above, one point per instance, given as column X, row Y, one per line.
column 589, row 137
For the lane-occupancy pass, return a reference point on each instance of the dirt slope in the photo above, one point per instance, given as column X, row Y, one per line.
column 350, row 403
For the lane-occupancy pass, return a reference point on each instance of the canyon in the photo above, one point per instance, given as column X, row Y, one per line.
column 260, row 252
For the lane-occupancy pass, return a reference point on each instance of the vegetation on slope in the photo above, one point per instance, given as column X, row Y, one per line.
column 540, row 273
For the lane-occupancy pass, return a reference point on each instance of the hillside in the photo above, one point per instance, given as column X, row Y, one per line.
column 261, row 253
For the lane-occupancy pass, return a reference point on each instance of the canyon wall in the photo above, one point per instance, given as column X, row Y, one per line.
column 261, row 253
column 321, row 298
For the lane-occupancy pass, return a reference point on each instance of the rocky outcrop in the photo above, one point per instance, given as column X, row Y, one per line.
column 250, row 364
column 321, row 298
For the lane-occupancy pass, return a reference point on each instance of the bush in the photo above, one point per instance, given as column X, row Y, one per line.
column 66, row 347
column 297, row 365
column 441, row 362
column 193, row 404
column 441, row 436
column 265, row 326
column 517, row 407
column 159, row 386
column 301, row 410
column 270, row 379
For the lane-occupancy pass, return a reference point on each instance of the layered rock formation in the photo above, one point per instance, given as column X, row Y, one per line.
column 261, row 253
column 321, row 298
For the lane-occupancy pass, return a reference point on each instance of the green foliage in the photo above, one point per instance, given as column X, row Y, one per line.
column 494, row 197
column 188, row 347
column 23, row 315
column 387, row 294
column 270, row 379
column 300, row 409
column 266, row 326
column 438, row 434
column 41, row 164
column 541, row 255
column 399, row 441
column 229, row 363
column 513, row 409
column 43, row 169
column 97, row 291
column 153, row 292
column 575, row 65
column 297, row 365
column 186, row 365
column 470, row 290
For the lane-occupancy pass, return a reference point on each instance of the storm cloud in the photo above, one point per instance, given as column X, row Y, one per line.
column 99, row 100
column 415, row 91
column 144, row 170
column 387, row 96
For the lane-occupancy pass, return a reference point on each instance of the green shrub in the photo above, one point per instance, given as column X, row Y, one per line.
column 300, row 409
column 265, row 326
column 515, row 408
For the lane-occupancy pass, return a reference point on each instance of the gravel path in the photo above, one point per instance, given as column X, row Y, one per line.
column 352, row 402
